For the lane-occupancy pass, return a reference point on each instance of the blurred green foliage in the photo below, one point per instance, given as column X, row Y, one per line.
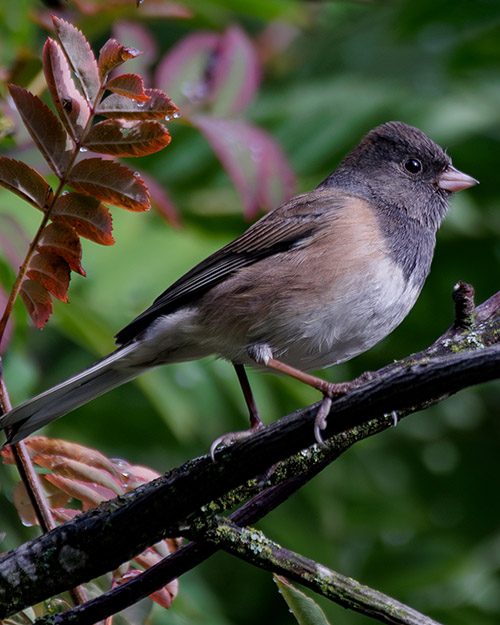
column 413, row 512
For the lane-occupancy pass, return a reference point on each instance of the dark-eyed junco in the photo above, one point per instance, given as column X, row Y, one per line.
column 315, row 282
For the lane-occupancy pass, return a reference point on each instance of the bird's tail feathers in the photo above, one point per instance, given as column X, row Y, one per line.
column 81, row 388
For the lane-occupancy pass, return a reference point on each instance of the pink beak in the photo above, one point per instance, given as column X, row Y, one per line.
column 454, row 180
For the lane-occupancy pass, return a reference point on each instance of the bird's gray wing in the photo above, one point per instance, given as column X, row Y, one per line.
column 286, row 227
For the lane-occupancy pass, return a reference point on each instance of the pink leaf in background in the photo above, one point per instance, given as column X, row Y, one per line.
column 236, row 73
column 182, row 72
column 135, row 35
column 161, row 200
column 221, row 72
column 253, row 160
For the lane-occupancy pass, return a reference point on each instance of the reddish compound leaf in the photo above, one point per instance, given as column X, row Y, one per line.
column 37, row 301
column 45, row 129
column 235, row 75
column 23, row 505
column 88, row 216
column 124, row 138
column 25, row 182
column 128, row 85
column 90, row 495
column 52, row 272
column 183, row 71
column 113, row 54
column 159, row 105
column 43, row 446
column 61, row 515
column 80, row 56
column 69, row 102
column 77, row 470
column 61, row 239
column 256, row 164
column 110, row 182
column 165, row 595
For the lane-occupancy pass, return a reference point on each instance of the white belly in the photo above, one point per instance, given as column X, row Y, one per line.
column 344, row 325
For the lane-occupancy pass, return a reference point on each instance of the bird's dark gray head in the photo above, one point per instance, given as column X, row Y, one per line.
column 398, row 168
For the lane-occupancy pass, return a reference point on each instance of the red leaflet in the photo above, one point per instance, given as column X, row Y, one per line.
column 52, row 272
column 89, row 217
column 78, row 470
column 89, row 494
column 159, row 105
column 128, row 85
column 25, row 182
column 165, row 595
column 113, row 54
column 37, row 301
column 80, row 56
column 110, row 182
column 254, row 161
column 44, row 127
column 61, row 239
column 42, row 446
column 69, row 102
column 124, row 138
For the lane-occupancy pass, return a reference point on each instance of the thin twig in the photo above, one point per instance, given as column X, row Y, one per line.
column 254, row 547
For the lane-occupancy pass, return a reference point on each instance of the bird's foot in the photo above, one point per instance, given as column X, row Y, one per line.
column 330, row 392
column 233, row 437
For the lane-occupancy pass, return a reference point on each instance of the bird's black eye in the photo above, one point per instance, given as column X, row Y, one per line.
column 413, row 165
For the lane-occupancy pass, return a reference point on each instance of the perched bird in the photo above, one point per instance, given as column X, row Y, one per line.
column 315, row 282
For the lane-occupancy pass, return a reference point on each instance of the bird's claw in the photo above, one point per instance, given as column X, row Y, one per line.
column 321, row 417
column 230, row 438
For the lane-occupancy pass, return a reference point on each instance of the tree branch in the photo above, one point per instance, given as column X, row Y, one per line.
column 254, row 547
column 103, row 538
